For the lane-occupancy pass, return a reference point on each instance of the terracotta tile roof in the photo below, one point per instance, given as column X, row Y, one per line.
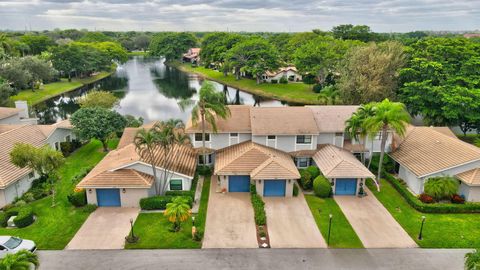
column 282, row 121
column 5, row 128
column 354, row 148
column 257, row 160
column 303, row 153
column 335, row 162
column 128, row 137
column 6, row 112
column 471, row 177
column 425, row 150
column 332, row 118
column 123, row 178
column 446, row 131
column 239, row 121
column 280, row 70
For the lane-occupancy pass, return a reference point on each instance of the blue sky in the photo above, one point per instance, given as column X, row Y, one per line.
column 239, row 15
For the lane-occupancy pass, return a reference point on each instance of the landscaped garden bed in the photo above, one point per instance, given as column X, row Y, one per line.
column 260, row 217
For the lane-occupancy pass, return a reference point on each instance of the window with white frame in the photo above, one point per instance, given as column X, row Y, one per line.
column 176, row 184
column 208, row 158
column 304, row 139
column 303, row 162
column 198, row 137
column 234, row 135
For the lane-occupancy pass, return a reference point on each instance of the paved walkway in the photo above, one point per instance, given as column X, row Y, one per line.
column 230, row 222
column 105, row 228
column 373, row 224
column 291, row 224
column 198, row 194
column 248, row 259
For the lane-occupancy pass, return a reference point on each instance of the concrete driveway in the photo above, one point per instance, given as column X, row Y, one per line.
column 230, row 222
column 373, row 224
column 105, row 228
column 291, row 224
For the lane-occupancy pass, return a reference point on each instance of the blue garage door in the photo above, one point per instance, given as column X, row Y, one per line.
column 108, row 197
column 274, row 188
column 239, row 183
column 345, row 186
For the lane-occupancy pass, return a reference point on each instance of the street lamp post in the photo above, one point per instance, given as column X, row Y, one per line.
column 329, row 227
column 421, row 228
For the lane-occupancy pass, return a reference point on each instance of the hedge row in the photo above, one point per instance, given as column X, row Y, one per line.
column 411, row 199
column 24, row 218
column 258, row 207
column 160, row 202
column 184, row 193
column 78, row 199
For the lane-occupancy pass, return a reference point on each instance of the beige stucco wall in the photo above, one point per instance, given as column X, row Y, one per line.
column 130, row 198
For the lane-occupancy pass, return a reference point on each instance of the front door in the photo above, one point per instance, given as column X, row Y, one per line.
column 345, row 186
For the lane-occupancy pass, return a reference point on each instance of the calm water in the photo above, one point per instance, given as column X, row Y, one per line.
column 146, row 88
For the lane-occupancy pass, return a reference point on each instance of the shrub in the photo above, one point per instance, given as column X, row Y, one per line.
column 28, row 197
column 425, row 198
column 441, row 187
column 457, row 199
column 322, row 187
column 159, row 202
column 204, row 170
column 283, row 80
column 273, row 81
column 309, row 79
column 388, row 165
column 198, row 236
column 317, row 88
column 20, row 203
column 295, row 190
column 89, row 208
column 78, row 199
column 306, row 180
column 259, row 209
column 193, row 187
column 24, row 218
column 314, row 171
column 253, row 189
column 184, row 193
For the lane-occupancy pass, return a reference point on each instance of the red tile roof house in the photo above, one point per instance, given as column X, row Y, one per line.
column 192, row 56
column 290, row 73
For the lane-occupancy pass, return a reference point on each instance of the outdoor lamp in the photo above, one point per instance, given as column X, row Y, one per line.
column 124, row 190
column 193, row 221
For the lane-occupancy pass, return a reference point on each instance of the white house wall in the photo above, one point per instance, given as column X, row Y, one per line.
column 17, row 189
column 326, row 138
column 471, row 193
column 59, row 135
column 286, row 143
column 130, row 198
column 413, row 182
column 11, row 120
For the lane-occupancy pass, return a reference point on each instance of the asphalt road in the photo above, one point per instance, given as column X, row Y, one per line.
column 277, row 259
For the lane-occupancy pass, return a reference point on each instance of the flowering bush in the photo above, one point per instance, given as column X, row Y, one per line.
column 426, row 198
column 457, row 199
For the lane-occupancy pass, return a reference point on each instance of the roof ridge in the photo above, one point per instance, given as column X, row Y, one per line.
column 237, row 156
column 13, row 129
column 140, row 174
column 456, row 139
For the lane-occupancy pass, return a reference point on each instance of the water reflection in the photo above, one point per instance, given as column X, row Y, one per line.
column 149, row 89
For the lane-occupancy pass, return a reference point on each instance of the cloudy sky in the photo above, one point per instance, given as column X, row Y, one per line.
column 239, row 15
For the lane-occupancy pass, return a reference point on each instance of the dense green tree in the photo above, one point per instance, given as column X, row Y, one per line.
column 370, row 73
column 171, row 45
column 254, row 55
column 97, row 123
column 113, row 50
column 215, row 46
column 37, row 43
column 95, row 37
column 39, row 70
column 14, row 74
column 6, row 91
column 102, row 99
column 141, row 42
column 355, row 32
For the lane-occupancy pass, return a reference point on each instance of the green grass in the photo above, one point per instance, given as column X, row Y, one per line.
column 440, row 230
column 50, row 90
column 291, row 92
column 153, row 228
column 56, row 226
column 342, row 234
column 137, row 53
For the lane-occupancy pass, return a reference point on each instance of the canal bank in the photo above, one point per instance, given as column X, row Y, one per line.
column 295, row 93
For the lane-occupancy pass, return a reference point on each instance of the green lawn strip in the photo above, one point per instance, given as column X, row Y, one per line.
column 342, row 234
column 440, row 230
column 291, row 92
column 154, row 228
column 50, row 90
column 56, row 226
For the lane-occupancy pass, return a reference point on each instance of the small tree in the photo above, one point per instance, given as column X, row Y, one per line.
column 45, row 161
column 322, row 187
column 177, row 212
column 22, row 260
column 102, row 99
column 472, row 260
column 441, row 187
column 145, row 142
column 97, row 123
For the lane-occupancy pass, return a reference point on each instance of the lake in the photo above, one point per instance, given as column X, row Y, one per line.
column 146, row 88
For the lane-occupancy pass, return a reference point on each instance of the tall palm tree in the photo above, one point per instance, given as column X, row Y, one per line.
column 329, row 96
column 5, row 45
column 387, row 116
column 22, row 260
column 171, row 134
column 145, row 143
column 354, row 127
column 177, row 212
column 209, row 105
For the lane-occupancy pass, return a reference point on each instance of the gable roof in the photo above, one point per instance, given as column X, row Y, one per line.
column 280, row 70
column 125, row 178
column 256, row 160
column 239, row 121
column 335, row 162
column 471, row 177
column 331, row 118
column 282, row 121
column 6, row 112
column 426, row 150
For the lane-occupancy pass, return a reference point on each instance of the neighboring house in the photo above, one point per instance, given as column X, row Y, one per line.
column 17, row 115
column 123, row 177
column 435, row 151
column 299, row 133
column 290, row 73
column 15, row 181
column 192, row 55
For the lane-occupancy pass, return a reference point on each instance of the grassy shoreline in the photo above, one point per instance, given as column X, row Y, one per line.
column 300, row 93
column 51, row 90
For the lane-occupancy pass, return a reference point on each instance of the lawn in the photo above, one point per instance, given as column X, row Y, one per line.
column 291, row 92
column 440, row 230
column 342, row 234
column 50, row 90
column 153, row 228
column 55, row 226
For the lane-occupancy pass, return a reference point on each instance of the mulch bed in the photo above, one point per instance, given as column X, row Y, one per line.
column 263, row 240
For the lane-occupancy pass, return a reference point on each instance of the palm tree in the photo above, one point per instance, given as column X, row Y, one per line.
column 354, row 127
column 441, row 187
column 170, row 134
column 472, row 260
column 209, row 105
column 22, row 260
column 177, row 212
column 387, row 116
column 145, row 143
column 329, row 95
column 5, row 45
